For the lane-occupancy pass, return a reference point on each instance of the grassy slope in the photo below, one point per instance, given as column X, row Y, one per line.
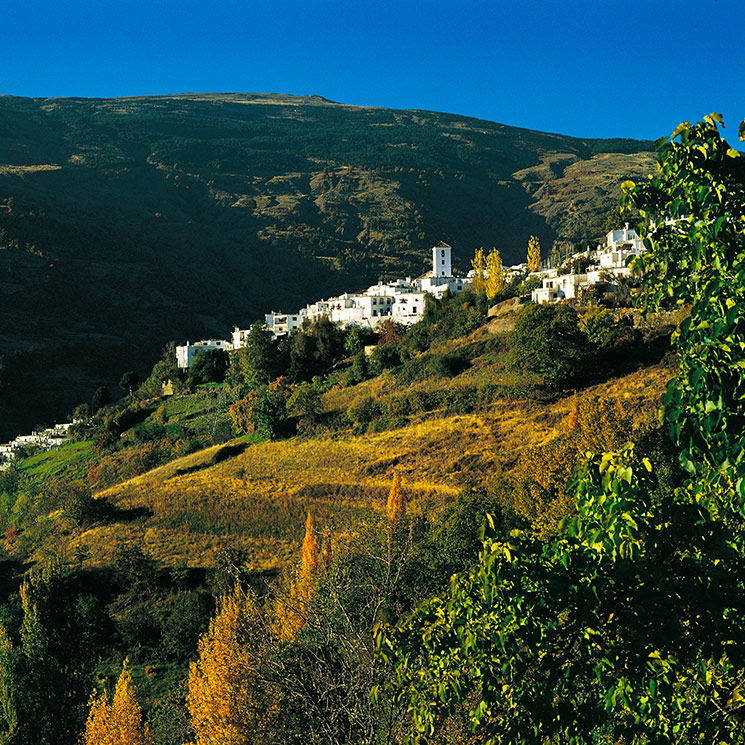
column 189, row 508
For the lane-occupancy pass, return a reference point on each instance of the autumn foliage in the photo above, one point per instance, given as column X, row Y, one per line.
column 296, row 594
column 534, row 254
column 118, row 722
column 229, row 700
column 543, row 472
column 395, row 508
column 496, row 280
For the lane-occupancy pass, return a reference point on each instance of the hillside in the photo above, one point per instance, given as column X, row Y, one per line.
column 125, row 223
column 131, row 531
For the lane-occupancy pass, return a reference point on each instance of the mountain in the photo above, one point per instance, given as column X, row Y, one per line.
column 125, row 223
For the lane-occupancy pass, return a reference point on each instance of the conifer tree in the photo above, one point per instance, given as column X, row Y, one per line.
column 229, row 700
column 45, row 675
column 478, row 282
column 534, row 254
column 119, row 722
column 495, row 274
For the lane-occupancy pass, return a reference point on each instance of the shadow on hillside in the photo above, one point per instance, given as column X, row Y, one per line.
column 224, row 453
column 12, row 572
column 109, row 513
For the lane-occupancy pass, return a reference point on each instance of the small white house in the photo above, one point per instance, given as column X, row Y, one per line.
column 283, row 323
column 409, row 307
column 186, row 353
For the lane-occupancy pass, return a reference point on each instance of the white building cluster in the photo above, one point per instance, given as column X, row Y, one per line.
column 400, row 300
column 44, row 439
column 607, row 262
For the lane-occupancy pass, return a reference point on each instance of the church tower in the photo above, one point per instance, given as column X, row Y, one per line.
column 441, row 265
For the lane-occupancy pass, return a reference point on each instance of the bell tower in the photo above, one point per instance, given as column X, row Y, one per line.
column 441, row 261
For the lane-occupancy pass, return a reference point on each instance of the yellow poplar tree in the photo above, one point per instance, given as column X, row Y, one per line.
column 119, row 722
column 479, row 277
column 534, row 254
column 229, row 701
column 293, row 606
column 496, row 280
column 395, row 508
column 309, row 566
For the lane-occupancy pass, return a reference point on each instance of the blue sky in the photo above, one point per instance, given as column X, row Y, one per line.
column 590, row 68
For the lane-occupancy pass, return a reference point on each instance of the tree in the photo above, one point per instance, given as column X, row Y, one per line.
column 229, row 699
column 101, row 398
column 395, row 508
column 534, row 254
column 261, row 359
column 547, row 341
column 263, row 411
column 478, row 282
column 45, row 674
column 120, row 721
column 496, row 281
column 355, row 339
column 209, row 366
column 629, row 625
column 315, row 348
column 305, row 404
column 618, row 216
column 128, row 381
column 692, row 215
column 293, row 607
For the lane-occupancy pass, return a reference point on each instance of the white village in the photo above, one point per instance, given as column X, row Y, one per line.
column 400, row 300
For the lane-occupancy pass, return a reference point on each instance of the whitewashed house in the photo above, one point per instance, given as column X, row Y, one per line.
column 401, row 300
column 611, row 260
column 186, row 353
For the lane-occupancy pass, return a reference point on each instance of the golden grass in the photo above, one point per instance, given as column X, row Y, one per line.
column 258, row 500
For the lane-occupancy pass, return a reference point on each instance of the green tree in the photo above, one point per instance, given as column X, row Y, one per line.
column 45, row 675
column 315, row 348
column 261, row 359
column 128, row 381
column 355, row 340
column 209, row 366
column 263, row 411
column 693, row 215
column 101, row 398
column 629, row 625
column 547, row 341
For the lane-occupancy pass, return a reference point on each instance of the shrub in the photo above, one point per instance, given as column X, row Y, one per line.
column 597, row 325
column 547, row 341
column 385, row 357
column 363, row 410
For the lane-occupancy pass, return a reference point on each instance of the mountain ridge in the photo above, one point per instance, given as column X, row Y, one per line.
column 129, row 222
